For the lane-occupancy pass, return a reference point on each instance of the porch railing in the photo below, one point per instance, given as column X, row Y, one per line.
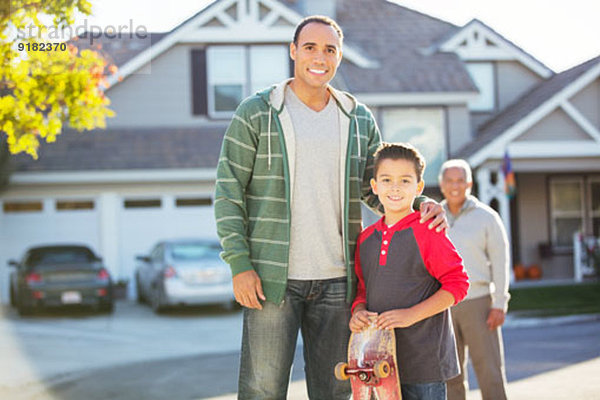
column 586, row 253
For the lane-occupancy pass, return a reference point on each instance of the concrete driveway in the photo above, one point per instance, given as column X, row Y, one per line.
column 193, row 354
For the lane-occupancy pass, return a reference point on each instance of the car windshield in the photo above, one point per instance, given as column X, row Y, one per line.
column 60, row 256
column 195, row 251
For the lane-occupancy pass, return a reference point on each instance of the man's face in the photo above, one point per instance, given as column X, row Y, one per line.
column 454, row 186
column 317, row 55
column 396, row 185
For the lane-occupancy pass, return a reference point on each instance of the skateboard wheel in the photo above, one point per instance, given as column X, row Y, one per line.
column 381, row 369
column 340, row 371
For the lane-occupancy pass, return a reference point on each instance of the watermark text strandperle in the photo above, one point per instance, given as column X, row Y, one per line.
column 83, row 31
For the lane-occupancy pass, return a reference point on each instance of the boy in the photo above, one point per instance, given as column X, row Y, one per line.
column 408, row 277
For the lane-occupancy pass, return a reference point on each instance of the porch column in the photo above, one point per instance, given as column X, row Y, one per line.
column 489, row 191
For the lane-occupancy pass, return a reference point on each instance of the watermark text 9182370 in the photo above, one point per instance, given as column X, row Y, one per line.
column 48, row 46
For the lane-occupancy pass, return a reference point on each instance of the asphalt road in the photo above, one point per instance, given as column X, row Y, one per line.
column 206, row 367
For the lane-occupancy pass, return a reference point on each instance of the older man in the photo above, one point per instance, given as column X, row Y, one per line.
column 478, row 234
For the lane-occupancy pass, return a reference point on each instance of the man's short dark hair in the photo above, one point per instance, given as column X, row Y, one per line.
column 320, row 19
column 399, row 151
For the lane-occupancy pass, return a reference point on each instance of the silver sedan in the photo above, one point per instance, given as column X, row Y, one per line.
column 184, row 272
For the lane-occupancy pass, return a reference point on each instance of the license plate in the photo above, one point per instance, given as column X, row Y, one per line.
column 71, row 297
column 203, row 276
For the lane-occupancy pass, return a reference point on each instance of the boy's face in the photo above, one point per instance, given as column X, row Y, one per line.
column 396, row 186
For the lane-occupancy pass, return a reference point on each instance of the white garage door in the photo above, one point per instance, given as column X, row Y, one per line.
column 145, row 221
column 117, row 230
column 25, row 223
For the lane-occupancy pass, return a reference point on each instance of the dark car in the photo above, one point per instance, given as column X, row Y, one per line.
column 64, row 275
column 184, row 272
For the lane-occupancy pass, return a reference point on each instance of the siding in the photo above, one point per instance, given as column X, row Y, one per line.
column 159, row 95
column 459, row 128
column 514, row 80
column 556, row 126
column 587, row 101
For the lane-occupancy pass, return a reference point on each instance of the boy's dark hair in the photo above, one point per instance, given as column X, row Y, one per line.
column 399, row 151
column 320, row 19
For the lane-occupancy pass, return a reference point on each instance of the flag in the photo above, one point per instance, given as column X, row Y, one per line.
column 510, row 186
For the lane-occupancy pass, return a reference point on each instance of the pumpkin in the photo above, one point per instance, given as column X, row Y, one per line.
column 534, row 272
column 520, row 272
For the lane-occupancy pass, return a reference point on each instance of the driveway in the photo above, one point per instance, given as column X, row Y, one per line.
column 193, row 354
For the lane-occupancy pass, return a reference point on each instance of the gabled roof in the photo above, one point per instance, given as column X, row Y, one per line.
column 383, row 47
column 127, row 149
column 230, row 21
column 478, row 42
column 529, row 109
column 395, row 36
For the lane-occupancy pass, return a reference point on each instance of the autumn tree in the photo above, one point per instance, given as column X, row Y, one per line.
column 43, row 89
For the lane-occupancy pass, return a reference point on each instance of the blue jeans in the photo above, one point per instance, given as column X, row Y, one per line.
column 319, row 310
column 424, row 391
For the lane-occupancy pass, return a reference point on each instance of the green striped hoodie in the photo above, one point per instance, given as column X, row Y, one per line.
column 255, row 180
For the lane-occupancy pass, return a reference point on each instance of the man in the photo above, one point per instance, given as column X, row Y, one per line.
column 295, row 163
column 479, row 236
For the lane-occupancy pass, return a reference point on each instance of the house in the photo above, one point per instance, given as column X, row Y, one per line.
column 453, row 91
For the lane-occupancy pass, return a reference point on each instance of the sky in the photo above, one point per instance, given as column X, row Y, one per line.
column 560, row 34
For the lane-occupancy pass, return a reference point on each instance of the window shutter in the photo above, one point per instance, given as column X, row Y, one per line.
column 199, row 83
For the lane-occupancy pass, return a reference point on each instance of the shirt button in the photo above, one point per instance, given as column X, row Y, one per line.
column 383, row 252
column 385, row 232
column 385, row 242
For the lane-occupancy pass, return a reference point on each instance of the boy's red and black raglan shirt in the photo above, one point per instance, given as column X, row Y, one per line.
column 400, row 266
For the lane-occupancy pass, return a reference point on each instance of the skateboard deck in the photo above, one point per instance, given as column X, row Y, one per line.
column 372, row 367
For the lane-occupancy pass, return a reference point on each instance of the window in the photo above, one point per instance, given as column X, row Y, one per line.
column 150, row 203
column 22, row 206
column 226, row 77
column 594, row 201
column 566, row 205
column 424, row 129
column 235, row 72
column 157, row 253
column 68, row 205
column 193, row 202
column 574, row 207
column 483, row 76
column 60, row 255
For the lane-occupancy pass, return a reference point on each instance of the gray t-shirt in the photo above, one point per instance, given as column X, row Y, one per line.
column 316, row 243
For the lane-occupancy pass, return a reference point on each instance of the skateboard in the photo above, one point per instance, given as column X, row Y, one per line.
column 372, row 367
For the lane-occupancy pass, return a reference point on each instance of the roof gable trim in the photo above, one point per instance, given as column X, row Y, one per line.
column 496, row 148
column 237, row 21
column 478, row 42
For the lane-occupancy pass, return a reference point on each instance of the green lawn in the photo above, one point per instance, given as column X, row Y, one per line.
column 556, row 300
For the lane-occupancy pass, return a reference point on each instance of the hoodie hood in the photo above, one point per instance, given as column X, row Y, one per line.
column 274, row 96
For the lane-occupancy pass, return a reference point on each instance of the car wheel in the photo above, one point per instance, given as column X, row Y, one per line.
column 13, row 300
column 24, row 309
column 138, row 289
column 231, row 305
column 157, row 302
column 107, row 308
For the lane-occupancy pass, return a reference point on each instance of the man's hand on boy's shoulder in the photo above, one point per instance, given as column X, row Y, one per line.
column 433, row 213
